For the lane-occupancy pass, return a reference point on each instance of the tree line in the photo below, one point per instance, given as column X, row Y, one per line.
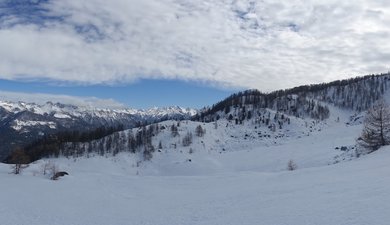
column 50, row 144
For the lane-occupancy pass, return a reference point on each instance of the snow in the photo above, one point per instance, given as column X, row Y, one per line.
column 61, row 116
column 66, row 110
column 20, row 124
column 235, row 148
column 248, row 183
column 103, row 190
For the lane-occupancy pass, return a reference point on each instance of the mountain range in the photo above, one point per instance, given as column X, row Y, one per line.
column 22, row 122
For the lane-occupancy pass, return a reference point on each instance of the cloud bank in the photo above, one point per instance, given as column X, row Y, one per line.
column 259, row 44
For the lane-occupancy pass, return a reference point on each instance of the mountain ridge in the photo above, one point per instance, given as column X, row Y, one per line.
column 357, row 94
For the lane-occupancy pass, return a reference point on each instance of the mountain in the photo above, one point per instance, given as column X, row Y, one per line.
column 22, row 123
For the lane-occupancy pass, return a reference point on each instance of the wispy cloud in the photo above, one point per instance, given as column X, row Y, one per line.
column 245, row 43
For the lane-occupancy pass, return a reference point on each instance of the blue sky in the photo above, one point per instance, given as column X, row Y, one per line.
column 142, row 94
column 186, row 52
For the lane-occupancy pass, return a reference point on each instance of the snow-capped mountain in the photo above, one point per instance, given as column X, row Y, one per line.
column 65, row 111
column 21, row 122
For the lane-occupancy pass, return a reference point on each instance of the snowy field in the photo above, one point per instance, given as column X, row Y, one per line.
column 350, row 193
column 247, row 186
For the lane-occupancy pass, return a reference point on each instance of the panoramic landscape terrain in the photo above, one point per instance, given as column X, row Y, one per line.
column 290, row 156
column 179, row 112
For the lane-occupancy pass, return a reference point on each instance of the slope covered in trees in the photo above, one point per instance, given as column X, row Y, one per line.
column 51, row 144
column 304, row 101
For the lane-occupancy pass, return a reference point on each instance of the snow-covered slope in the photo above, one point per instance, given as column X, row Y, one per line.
column 247, row 188
column 284, row 138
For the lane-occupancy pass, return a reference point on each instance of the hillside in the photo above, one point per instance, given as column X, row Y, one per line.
column 356, row 94
column 180, row 141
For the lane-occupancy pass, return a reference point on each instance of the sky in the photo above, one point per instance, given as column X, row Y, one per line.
column 186, row 52
column 142, row 94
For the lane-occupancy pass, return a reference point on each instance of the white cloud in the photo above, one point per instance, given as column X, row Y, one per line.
column 40, row 98
column 254, row 44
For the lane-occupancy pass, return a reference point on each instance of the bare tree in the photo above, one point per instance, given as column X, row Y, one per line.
column 291, row 165
column 174, row 130
column 49, row 168
column 376, row 131
column 148, row 152
column 199, row 131
column 20, row 160
column 187, row 139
